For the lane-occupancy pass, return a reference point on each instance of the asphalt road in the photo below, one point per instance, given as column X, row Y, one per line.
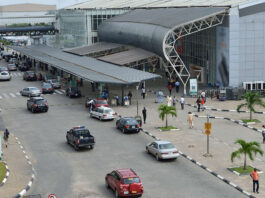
column 67, row 173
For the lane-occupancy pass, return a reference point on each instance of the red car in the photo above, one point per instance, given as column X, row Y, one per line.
column 125, row 183
column 100, row 102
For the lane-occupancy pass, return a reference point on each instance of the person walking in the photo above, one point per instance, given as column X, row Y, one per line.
column 130, row 97
column 170, row 88
column 255, row 177
column 190, row 120
column 6, row 136
column 143, row 92
column 182, row 102
column 177, row 86
column 174, row 101
column 144, row 114
column 198, row 101
column 203, row 95
column 202, row 102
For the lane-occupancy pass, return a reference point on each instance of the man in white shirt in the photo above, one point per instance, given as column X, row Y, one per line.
column 182, row 101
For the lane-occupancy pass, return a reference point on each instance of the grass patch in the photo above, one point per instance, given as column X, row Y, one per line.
column 2, row 171
column 240, row 169
column 246, row 120
column 167, row 128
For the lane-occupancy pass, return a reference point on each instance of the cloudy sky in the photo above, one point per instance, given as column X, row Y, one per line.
column 59, row 3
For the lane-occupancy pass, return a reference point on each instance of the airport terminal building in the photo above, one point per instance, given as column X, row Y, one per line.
column 218, row 42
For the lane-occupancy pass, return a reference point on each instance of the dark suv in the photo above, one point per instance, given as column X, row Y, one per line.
column 128, row 124
column 73, row 92
column 30, row 75
column 79, row 137
column 36, row 104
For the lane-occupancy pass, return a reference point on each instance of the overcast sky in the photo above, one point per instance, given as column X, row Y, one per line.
column 59, row 3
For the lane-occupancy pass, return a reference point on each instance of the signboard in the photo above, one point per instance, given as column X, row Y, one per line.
column 207, row 132
column 207, row 125
column 193, row 86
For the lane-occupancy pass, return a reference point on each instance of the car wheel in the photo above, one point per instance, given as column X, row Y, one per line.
column 100, row 118
column 76, row 147
column 147, row 150
column 117, row 127
column 117, row 194
column 157, row 158
column 91, row 147
column 32, row 109
column 67, row 140
column 123, row 130
column 106, row 183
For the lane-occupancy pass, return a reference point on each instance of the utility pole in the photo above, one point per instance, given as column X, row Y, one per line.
column 208, row 127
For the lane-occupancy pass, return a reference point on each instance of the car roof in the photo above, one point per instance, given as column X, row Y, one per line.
column 31, row 87
column 103, row 107
column 162, row 142
column 127, row 172
column 128, row 118
column 37, row 98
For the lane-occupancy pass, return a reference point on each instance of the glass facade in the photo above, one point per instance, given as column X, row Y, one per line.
column 199, row 49
column 96, row 20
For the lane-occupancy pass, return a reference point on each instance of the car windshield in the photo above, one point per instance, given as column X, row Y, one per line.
column 131, row 122
column 33, row 89
column 101, row 102
column 82, row 133
column 4, row 73
column 47, row 85
column 54, row 81
column 131, row 180
column 74, row 89
column 40, row 102
column 108, row 111
column 166, row 146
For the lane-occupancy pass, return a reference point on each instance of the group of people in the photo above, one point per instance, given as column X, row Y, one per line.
column 201, row 100
column 171, row 84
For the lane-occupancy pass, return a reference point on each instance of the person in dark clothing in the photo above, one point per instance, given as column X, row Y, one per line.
column 263, row 133
column 144, row 114
column 6, row 136
column 198, row 101
column 130, row 97
column 170, row 88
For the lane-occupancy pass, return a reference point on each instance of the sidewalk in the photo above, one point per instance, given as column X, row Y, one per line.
column 192, row 142
column 20, row 170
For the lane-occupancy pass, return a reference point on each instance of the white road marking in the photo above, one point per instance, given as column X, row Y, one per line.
column 1, row 97
column 57, row 91
column 62, row 90
column 12, row 95
column 18, row 93
column 20, row 74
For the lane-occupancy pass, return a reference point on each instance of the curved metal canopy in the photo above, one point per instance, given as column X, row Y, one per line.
column 157, row 30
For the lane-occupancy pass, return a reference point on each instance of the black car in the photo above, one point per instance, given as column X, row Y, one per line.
column 80, row 136
column 47, row 88
column 73, row 92
column 36, row 104
column 30, row 76
column 23, row 67
column 128, row 124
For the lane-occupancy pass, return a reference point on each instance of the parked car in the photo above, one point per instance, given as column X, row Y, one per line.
column 47, row 77
column 55, row 83
column 3, row 69
column 30, row 92
column 12, row 67
column 47, row 88
column 12, row 60
column 103, row 113
column 128, row 124
column 30, row 76
column 125, row 183
column 100, row 102
column 23, row 67
column 36, row 104
column 73, row 92
column 162, row 150
column 4, row 75
column 80, row 136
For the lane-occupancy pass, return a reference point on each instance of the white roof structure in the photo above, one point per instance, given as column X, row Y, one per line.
column 108, row 4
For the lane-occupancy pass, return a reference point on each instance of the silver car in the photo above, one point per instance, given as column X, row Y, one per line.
column 30, row 91
column 103, row 113
column 12, row 67
column 162, row 150
column 55, row 83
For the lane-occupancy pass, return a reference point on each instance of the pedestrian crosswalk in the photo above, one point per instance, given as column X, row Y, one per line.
column 17, row 94
column 16, row 74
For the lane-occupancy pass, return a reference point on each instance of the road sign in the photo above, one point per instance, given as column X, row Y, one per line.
column 207, row 132
column 207, row 125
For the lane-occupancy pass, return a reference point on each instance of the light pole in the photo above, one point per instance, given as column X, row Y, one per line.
column 137, row 88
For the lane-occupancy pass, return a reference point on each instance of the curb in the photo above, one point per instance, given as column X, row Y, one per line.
column 207, row 169
column 235, row 121
column 7, row 174
column 23, row 192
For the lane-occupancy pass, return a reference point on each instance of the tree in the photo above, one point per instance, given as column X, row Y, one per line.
column 247, row 148
column 165, row 110
column 252, row 99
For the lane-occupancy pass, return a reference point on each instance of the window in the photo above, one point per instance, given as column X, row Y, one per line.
column 131, row 180
column 166, row 146
column 94, row 39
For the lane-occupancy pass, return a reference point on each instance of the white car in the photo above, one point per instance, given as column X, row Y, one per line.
column 103, row 113
column 30, row 92
column 162, row 150
column 4, row 75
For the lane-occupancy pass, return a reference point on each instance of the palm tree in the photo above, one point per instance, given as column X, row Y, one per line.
column 165, row 110
column 252, row 99
column 247, row 148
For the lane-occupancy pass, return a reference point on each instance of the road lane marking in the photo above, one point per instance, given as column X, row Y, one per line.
column 18, row 94
column 57, row 91
column 1, row 97
column 5, row 95
column 12, row 95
